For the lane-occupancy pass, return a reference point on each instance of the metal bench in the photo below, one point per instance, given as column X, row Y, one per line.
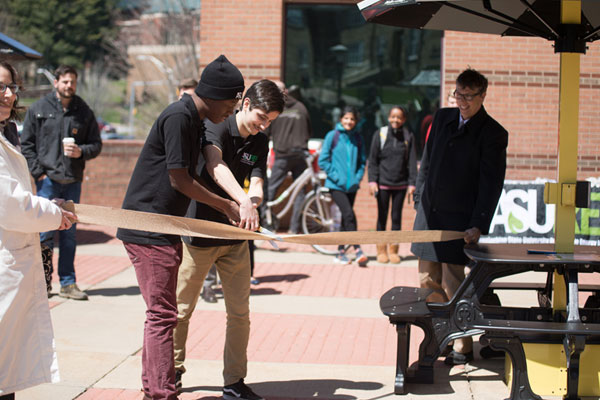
column 406, row 306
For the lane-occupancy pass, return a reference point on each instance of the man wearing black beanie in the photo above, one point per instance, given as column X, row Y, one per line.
column 163, row 182
column 235, row 151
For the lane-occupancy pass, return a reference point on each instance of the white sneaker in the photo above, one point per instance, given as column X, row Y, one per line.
column 341, row 259
column 361, row 258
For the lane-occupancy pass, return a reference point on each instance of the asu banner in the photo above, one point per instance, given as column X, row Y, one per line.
column 522, row 216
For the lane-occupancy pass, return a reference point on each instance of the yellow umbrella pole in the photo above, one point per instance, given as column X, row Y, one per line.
column 568, row 128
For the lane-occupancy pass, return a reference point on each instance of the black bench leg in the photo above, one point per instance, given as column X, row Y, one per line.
column 403, row 330
column 574, row 346
column 428, row 354
column 520, row 388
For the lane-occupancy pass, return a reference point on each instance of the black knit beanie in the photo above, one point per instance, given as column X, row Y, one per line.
column 221, row 80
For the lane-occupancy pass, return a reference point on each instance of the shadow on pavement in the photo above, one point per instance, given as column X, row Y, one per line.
column 253, row 292
column 282, row 278
column 303, row 389
column 89, row 236
column 409, row 258
column 444, row 375
column 263, row 291
column 114, row 292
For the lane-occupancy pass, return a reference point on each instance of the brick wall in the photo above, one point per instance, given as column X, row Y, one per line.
column 248, row 32
column 107, row 176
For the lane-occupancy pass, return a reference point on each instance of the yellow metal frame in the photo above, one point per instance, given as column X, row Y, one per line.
column 547, row 369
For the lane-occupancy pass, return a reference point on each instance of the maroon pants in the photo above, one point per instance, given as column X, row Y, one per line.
column 156, row 270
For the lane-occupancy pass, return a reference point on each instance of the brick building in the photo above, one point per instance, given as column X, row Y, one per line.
column 265, row 39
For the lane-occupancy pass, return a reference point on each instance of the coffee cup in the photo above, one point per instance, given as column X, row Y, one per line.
column 67, row 140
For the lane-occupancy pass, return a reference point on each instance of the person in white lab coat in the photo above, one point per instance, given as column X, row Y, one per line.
column 27, row 355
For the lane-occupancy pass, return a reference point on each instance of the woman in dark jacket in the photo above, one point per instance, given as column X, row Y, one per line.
column 392, row 173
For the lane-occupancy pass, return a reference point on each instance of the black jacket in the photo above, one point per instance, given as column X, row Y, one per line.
column 46, row 124
column 460, row 180
column 291, row 130
column 396, row 163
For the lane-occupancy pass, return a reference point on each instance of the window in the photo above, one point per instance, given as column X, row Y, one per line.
column 350, row 62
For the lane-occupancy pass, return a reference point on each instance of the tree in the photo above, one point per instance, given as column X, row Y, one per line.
column 73, row 32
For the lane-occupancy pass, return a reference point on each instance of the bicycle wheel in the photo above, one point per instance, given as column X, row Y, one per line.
column 321, row 214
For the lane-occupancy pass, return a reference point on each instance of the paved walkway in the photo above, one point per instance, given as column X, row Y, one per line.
column 317, row 332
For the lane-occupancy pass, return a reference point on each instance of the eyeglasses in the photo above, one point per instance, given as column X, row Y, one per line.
column 14, row 88
column 467, row 97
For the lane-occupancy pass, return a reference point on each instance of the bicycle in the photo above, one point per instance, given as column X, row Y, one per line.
column 319, row 213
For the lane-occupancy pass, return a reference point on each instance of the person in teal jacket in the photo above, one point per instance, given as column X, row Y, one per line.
column 343, row 158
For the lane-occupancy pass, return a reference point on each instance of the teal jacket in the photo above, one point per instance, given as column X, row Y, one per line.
column 345, row 163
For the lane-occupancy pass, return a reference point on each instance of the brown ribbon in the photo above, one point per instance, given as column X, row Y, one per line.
column 145, row 221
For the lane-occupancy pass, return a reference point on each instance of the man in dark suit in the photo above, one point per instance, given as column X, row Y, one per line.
column 458, row 187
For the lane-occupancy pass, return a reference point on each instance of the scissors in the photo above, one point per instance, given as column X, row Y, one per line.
column 272, row 235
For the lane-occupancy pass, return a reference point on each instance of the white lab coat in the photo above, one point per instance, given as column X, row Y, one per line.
column 27, row 355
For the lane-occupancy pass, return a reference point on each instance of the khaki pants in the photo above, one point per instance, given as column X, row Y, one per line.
column 233, row 264
column 444, row 279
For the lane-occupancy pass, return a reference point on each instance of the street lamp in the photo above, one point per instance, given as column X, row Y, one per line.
column 47, row 74
column 339, row 53
column 164, row 69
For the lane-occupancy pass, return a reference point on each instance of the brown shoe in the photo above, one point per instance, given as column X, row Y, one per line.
column 394, row 257
column 72, row 292
column 382, row 256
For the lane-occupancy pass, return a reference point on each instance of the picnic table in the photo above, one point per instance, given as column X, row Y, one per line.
column 504, row 328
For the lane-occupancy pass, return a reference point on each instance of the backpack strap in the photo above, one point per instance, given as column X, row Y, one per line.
column 336, row 138
column 382, row 136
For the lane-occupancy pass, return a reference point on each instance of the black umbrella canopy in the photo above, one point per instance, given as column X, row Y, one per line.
column 539, row 18
column 10, row 49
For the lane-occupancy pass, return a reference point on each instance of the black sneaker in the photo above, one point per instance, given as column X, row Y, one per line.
column 455, row 358
column 178, row 383
column 239, row 391
column 208, row 295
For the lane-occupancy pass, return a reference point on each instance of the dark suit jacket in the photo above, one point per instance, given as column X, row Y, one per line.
column 460, row 180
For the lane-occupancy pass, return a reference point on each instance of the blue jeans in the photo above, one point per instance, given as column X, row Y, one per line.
column 50, row 189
